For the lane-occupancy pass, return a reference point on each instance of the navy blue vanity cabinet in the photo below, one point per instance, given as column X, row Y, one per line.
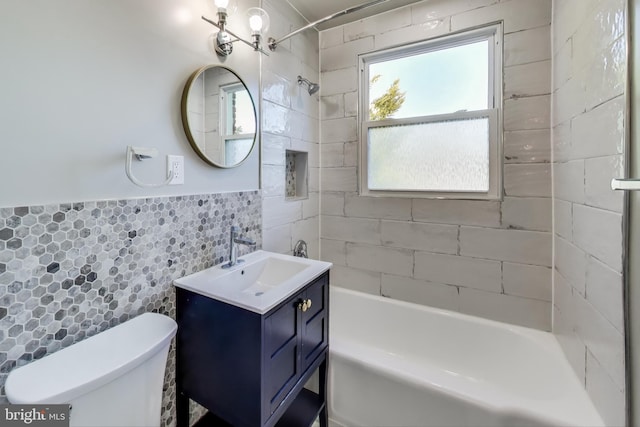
column 248, row 369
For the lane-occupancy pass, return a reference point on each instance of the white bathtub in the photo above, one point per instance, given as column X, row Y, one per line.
column 399, row 364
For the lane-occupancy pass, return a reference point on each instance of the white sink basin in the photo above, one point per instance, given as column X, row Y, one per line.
column 260, row 283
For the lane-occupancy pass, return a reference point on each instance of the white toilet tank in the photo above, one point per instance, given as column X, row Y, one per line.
column 114, row 378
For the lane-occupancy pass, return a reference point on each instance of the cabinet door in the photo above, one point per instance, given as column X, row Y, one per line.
column 315, row 321
column 282, row 359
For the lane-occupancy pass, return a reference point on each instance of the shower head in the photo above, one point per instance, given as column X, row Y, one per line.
column 311, row 87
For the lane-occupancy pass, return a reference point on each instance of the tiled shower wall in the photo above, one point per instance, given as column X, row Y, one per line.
column 589, row 69
column 486, row 258
column 69, row 271
column 289, row 121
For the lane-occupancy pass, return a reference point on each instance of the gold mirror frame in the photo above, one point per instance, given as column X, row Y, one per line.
column 185, row 116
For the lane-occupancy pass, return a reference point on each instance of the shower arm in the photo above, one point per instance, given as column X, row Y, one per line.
column 273, row 43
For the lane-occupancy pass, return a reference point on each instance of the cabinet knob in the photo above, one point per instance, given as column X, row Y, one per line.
column 304, row 305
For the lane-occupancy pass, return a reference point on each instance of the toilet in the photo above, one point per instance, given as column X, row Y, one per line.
column 114, row 378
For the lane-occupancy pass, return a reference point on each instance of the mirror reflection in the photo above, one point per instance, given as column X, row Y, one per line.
column 219, row 116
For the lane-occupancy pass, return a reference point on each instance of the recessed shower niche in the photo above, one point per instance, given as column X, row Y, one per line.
column 297, row 175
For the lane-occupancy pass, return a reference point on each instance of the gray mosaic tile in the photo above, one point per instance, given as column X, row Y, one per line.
column 69, row 271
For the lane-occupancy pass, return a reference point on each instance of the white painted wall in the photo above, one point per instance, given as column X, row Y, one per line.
column 589, row 66
column 82, row 80
column 486, row 258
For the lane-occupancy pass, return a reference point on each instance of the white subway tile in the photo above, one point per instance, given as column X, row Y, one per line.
column 562, row 64
column 563, row 329
column 276, row 211
column 602, row 339
column 273, row 147
column 307, row 230
column 561, row 144
column 527, row 213
column 413, row 33
column 277, row 239
column 517, row 15
column 608, row 397
column 529, row 281
column 351, row 229
column 426, row 11
column 599, row 233
column 339, row 81
column 606, row 76
column 380, row 259
column 276, row 89
column 332, row 154
column 527, row 46
column 273, row 180
column 311, row 148
column 314, row 180
column 345, row 55
column 350, row 157
column 339, row 179
column 568, row 180
column 374, row 207
column 527, row 113
column 355, row 279
column 563, row 219
column 569, row 100
column 527, row 146
column 599, row 132
column 506, row 308
column 604, row 25
column 332, row 107
column 413, row 235
column 276, row 119
column 376, row 24
column 463, row 212
column 420, row 292
column 604, row 292
column 527, row 180
column 527, row 79
column 332, row 203
column 571, row 262
column 351, row 104
column 334, row 251
column 461, row 271
column 525, row 247
column 339, row 130
column 598, row 175
column 331, row 37
column 311, row 206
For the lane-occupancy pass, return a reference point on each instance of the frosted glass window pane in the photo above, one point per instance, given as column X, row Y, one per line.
column 438, row 82
column 446, row 156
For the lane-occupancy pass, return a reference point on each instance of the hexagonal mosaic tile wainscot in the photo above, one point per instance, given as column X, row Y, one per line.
column 69, row 271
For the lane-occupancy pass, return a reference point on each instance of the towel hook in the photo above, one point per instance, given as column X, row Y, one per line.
column 142, row 153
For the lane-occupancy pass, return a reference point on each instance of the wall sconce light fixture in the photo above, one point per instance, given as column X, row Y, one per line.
column 273, row 43
column 258, row 22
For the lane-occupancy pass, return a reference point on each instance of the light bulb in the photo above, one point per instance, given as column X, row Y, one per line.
column 222, row 4
column 255, row 23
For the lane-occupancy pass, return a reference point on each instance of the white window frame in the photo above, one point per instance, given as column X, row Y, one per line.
column 493, row 34
column 225, row 91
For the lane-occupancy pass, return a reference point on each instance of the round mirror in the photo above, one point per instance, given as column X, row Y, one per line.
column 219, row 116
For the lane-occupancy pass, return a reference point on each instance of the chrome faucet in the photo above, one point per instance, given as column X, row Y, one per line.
column 233, row 250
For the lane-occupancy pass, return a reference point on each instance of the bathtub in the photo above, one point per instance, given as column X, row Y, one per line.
column 400, row 364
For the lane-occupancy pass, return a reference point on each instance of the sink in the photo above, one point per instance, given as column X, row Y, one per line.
column 258, row 284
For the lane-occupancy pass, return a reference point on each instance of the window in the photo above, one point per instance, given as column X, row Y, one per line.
column 430, row 118
column 237, row 122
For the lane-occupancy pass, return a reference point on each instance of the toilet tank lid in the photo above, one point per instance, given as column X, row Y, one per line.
column 89, row 364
